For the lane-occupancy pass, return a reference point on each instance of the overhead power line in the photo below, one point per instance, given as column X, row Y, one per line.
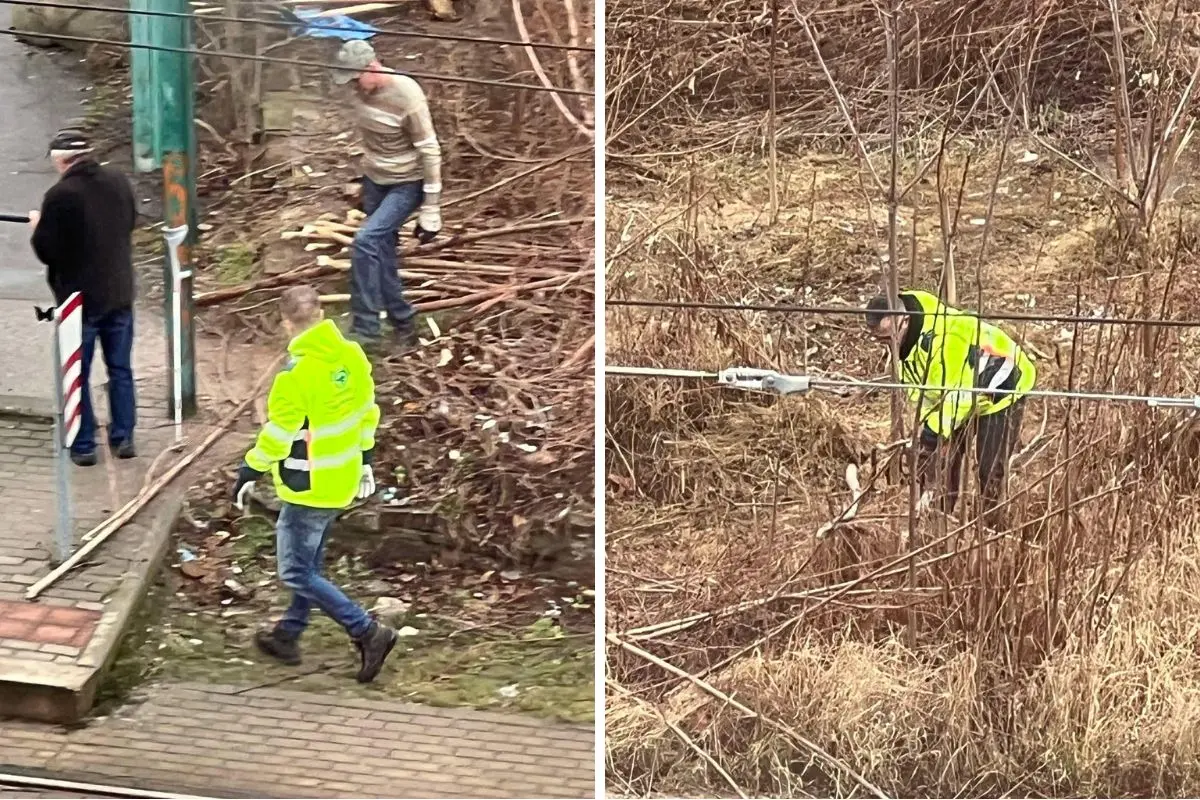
column 803, row 383
column 860, row 311
column 293, row 62
column 445, row 37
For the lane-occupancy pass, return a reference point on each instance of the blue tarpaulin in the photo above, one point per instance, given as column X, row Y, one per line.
column 336, row 27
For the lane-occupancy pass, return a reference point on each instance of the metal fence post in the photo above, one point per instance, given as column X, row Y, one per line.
column 62, row 529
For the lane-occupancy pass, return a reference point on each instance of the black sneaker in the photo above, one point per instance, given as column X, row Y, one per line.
column 125, row 448
column 374, row 647
column 277, row 646
column 405, row 334
column 371, row 345
column 84, row 459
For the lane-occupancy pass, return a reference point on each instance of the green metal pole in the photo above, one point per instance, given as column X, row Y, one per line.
column 147, row 147
column 176, row 90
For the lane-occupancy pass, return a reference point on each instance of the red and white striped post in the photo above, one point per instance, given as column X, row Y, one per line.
column 68, row 391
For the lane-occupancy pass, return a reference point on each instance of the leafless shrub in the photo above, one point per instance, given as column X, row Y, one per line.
column 1052, row 656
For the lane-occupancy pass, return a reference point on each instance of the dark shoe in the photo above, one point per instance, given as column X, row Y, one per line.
column 125, row 448
column 374, row 647
column 405, row 334
column 84, row 459
column 369, row 344
column 278, row 646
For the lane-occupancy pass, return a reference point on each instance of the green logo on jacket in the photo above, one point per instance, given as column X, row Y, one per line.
column 341, row 378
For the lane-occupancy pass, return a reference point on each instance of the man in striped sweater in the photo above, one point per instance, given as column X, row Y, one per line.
column 402, row 176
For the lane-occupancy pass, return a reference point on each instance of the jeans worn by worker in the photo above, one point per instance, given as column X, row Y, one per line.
column 375, row 283
column 114, row 332
column 300, row 550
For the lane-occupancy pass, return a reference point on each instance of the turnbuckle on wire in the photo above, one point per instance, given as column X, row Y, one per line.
column 764, row 380
column 1174, row 402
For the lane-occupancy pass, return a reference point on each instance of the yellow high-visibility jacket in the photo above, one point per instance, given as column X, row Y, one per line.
column 955, row 351
column 322, row 418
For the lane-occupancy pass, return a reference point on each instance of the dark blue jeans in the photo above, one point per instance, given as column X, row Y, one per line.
column 300, row 538
column 375, row 283
column 114, row 331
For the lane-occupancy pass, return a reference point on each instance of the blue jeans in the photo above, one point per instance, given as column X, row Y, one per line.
column 375, row 283
column 114, row 330
column 300, row 538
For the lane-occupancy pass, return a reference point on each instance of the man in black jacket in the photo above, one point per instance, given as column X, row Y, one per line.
column 83, row 234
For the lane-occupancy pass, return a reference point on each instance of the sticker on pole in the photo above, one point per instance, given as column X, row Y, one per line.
column 68, row 325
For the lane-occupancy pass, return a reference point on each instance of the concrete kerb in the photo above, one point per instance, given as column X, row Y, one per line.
column 102, row 649
column 65, row 693
column 21, row 407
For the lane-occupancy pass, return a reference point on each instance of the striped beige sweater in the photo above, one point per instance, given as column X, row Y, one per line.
column 398, row 139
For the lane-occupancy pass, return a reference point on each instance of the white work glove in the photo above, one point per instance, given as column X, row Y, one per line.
column 243, row 496
column 366, row 484
column 429, row 222
column 244, row 486
column 924, row 502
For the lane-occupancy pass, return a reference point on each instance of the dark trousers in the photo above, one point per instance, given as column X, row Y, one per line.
column 375, row 283
column 995, row 435
column 114, row 331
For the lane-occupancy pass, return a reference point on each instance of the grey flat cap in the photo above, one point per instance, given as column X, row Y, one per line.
column 355, row 56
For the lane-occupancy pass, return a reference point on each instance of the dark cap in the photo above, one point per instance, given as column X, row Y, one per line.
column 70, row 140
column 877, row 310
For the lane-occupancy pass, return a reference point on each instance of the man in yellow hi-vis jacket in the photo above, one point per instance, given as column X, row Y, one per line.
column 975, row 378
column 317, row 445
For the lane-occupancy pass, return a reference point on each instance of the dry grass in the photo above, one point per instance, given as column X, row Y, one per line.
column 1054, row 656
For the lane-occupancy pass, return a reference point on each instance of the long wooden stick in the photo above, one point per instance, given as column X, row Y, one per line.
column 683, row 737
column 541, row 73
column 149, row 479
column 513, row 178
column 98, row 535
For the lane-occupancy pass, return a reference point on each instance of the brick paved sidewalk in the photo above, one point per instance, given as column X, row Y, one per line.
column 214, row 741
column 69, row 613
column 61, row 624
column 61, row 641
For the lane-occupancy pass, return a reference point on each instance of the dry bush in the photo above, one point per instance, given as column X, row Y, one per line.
column 700, row 69
column 1054, row 658
column 1052, row 655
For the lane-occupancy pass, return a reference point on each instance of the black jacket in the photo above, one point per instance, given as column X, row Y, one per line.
column 85, row 237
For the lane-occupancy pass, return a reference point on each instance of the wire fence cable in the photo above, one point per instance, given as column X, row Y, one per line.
column 444, row 37
column 294, row 62
column 814, row 381
column 1066, row 319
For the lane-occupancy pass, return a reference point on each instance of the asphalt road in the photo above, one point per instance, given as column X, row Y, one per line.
column 39, row 94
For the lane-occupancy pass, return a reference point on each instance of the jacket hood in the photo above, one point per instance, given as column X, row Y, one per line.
column 916, row 323
column 323, row 342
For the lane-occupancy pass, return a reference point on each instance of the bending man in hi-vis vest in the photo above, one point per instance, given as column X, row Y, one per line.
column 977, row 377
column 317, row 445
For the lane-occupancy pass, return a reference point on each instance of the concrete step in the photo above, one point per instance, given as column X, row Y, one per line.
column 46, row 692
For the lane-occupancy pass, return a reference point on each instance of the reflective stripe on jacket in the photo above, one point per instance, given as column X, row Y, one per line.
column 957, row 351
column 321, row 416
